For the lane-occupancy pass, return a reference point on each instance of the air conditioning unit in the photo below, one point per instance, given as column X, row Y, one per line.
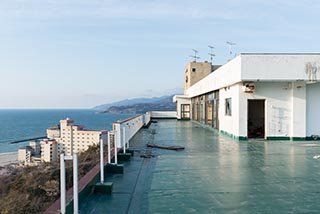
column 249, row 88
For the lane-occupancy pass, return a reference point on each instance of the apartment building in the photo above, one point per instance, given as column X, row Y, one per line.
column 49, row 151
column 71, row 137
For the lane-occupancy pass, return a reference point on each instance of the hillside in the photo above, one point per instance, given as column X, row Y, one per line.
column 32, row 189
column 141, row 105
column 128, row 102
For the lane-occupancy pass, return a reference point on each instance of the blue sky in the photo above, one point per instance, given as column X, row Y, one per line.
column 82, row 53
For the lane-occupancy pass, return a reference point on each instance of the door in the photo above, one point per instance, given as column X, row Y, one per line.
column 256, row 118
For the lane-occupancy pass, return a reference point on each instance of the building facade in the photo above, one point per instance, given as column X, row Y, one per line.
column 24, row 155
column 269, row 96
column 49, row 150
column 71, row 137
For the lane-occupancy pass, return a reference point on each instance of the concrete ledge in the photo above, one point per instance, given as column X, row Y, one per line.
column 115, row 168
column 103, row 188
column 124, row 157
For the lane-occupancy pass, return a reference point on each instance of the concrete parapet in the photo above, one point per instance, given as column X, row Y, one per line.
column 115, row 168
column 103, row 188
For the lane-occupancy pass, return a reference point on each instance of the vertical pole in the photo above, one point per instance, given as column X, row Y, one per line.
column 101, row 162
column 124, row 139
column 109, row 149
column 71, row 139
column 75, row 183
column 115, row 146
column 62, row 185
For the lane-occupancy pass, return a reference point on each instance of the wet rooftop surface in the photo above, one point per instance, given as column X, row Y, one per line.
column 214, row 174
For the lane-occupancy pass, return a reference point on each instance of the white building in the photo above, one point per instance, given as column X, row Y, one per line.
column 35, row 145
column 71, row 137
column 270, row 96
column 49, row 150
column 24, row 155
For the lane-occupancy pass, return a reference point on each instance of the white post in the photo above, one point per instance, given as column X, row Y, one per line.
column 62, row 185
column 109, row 149
column 101, row 162
column 71, row 139
column 115, row 147
column 75, row 184
column 124, row 139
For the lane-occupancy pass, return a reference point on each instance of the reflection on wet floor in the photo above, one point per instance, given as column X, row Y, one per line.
column 214, row 174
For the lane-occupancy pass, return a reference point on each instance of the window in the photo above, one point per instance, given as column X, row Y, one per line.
column 193, row 69
column 185, row 111
column 228, row 106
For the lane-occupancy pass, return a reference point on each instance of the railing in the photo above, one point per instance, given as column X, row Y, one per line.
column 125, row 129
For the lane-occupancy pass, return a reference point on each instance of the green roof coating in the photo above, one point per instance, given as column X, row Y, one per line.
column 214, row 174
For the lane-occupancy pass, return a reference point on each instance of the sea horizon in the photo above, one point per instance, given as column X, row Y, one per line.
column 20, row 124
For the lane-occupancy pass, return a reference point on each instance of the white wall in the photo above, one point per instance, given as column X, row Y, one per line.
column 257, row 67
column 278, row 108
column 127, row 128
column 226, row 75
column 228, row 123
column 285, row 107
column 163, row 114
column 313, row 109
column 299, row 109
column 281, row 67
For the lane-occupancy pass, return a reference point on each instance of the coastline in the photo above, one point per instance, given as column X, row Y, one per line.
column 8, row 158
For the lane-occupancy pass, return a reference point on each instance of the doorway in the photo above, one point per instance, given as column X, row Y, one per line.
column 256, row 118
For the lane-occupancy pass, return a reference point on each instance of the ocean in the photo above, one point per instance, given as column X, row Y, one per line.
column 24, row 124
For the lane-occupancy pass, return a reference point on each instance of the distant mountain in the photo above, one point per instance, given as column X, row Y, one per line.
column 139, row 105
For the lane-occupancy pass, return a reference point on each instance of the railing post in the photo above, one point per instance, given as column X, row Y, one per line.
column 62, row 185
column 115, row 147
column 101, row 162
column 75, row 184
column 124, row 139
column 109, row 149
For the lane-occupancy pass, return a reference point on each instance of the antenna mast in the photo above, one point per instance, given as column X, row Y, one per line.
column 211, row 54
column 230, row 44
column 195, row 57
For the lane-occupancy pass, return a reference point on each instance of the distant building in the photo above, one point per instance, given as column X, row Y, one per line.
column 269, row 96
column 71, row 137
column 49, row 150
column 53, row 132
column 25, row 154
column 63, row 138
column 35, row 145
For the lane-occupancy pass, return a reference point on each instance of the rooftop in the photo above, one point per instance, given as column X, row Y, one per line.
column 214, row 174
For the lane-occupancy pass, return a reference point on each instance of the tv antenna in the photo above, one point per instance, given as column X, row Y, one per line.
column 195, row 57
column 211, row 54
column 230, row 44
